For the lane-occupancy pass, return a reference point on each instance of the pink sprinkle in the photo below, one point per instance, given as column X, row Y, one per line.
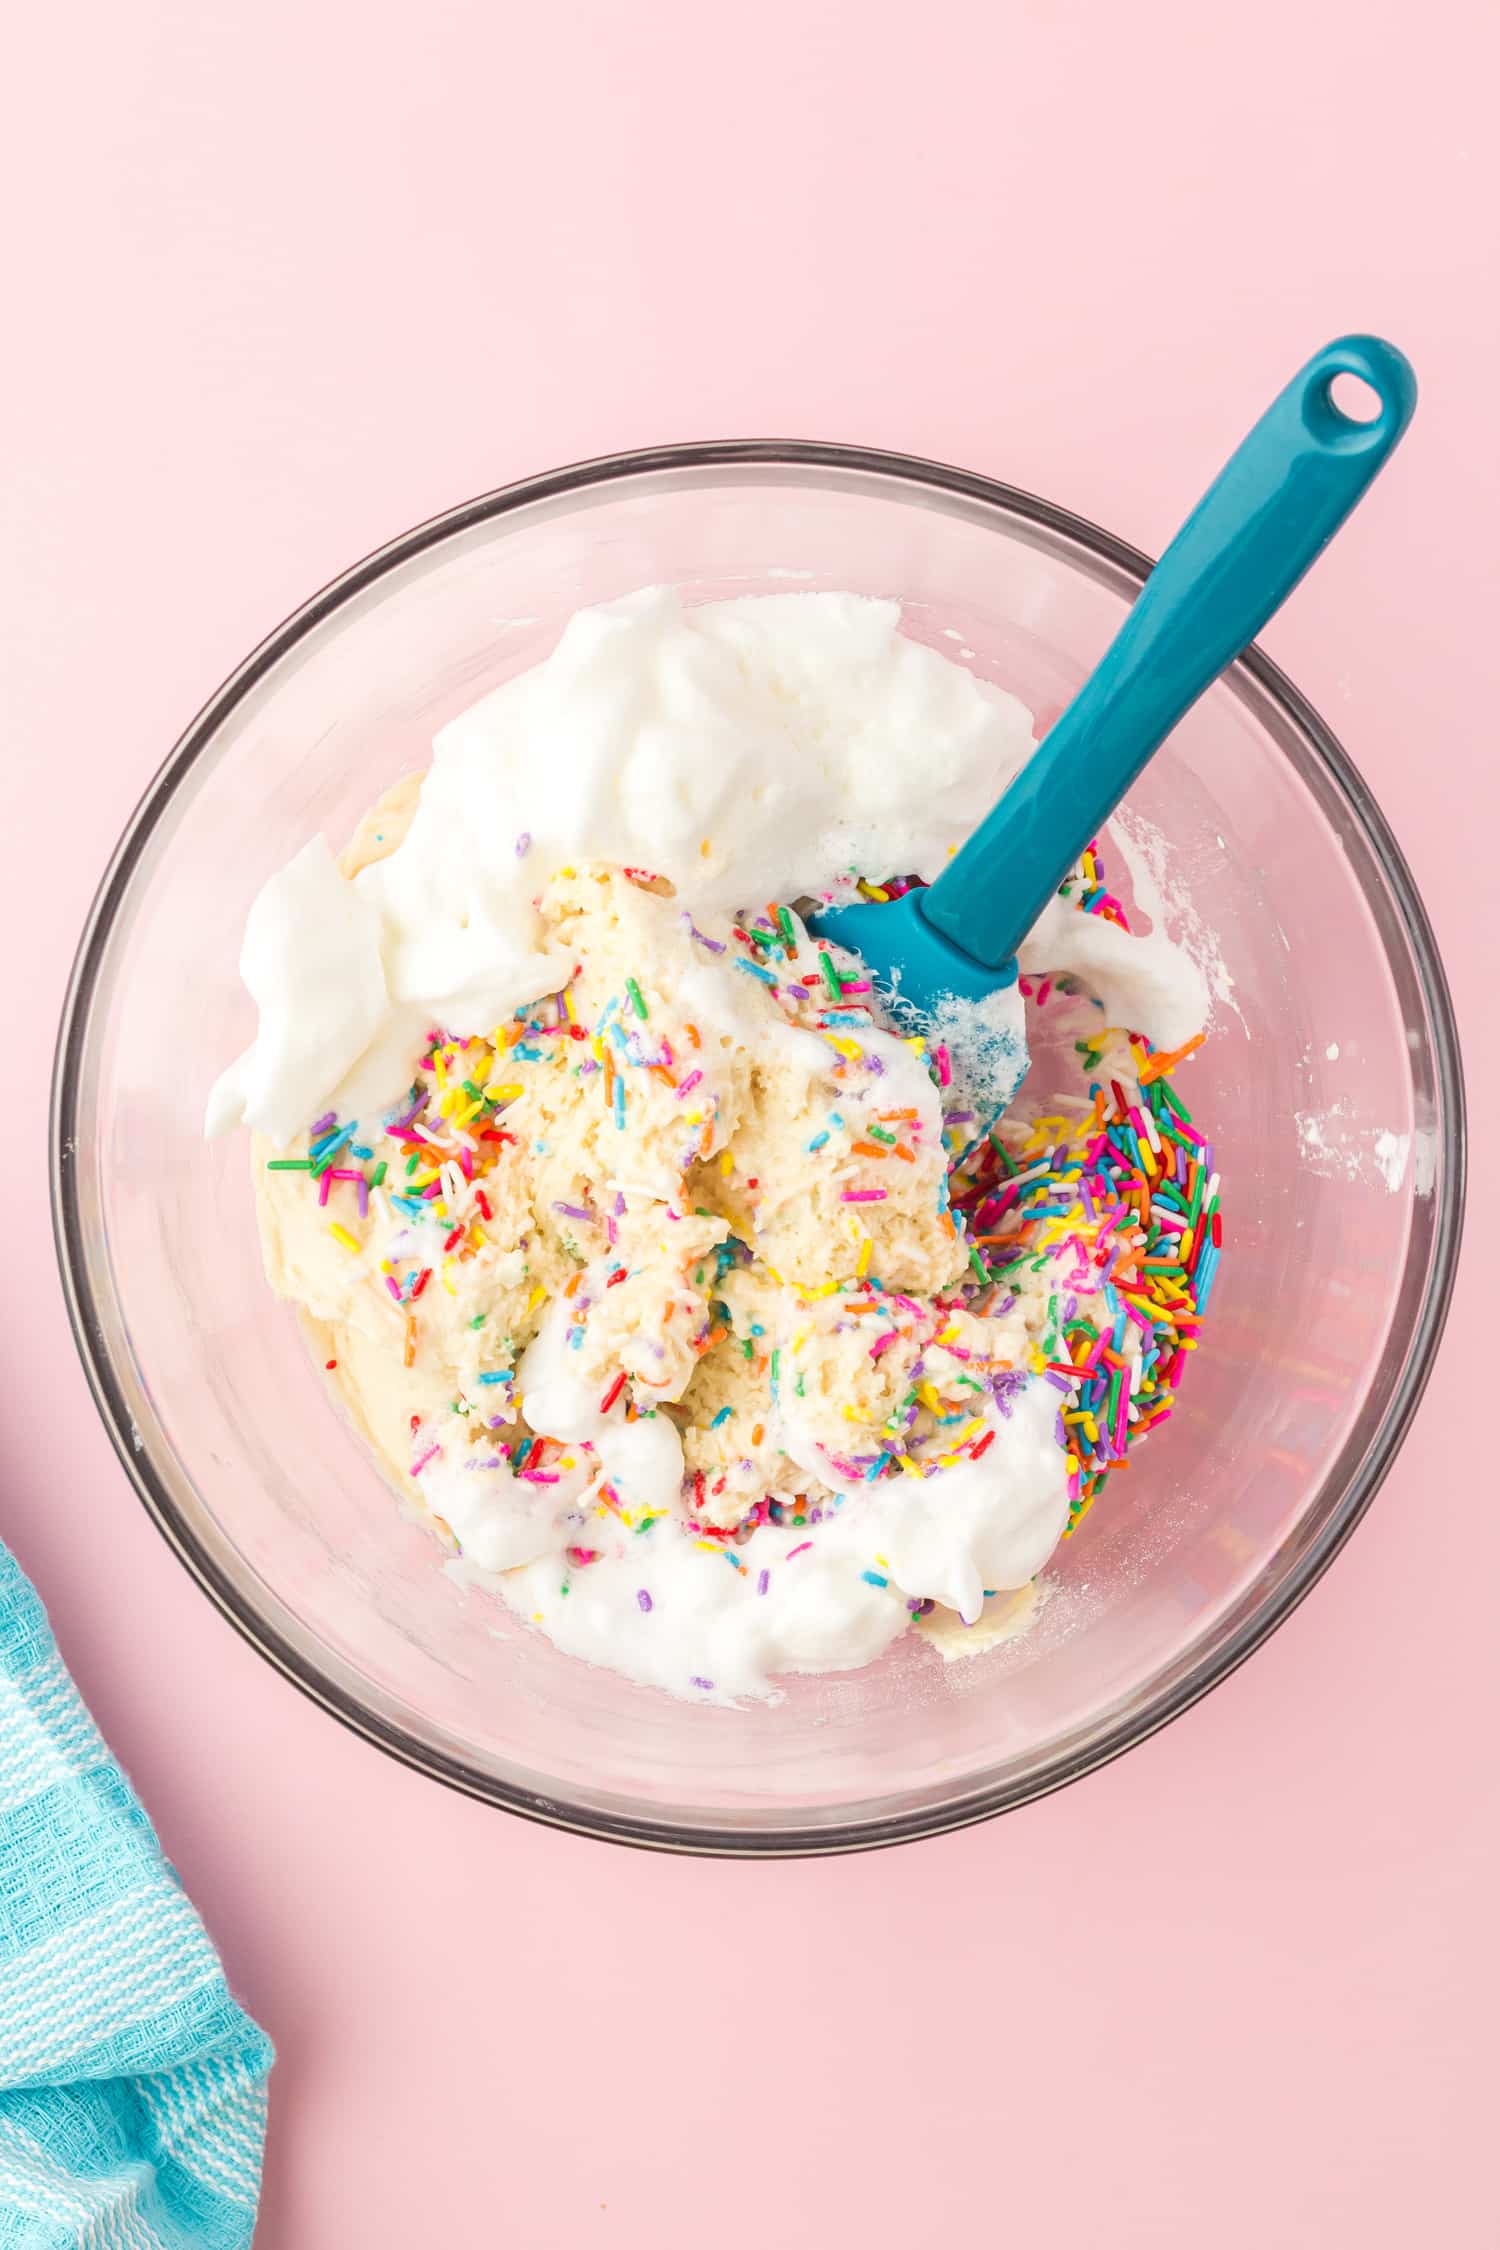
column 539, row 1476
column 802, row 1550
column 848, row 988
column 325, row 1188
column 944, row 1067
column 1042, row 991
column 466, row 1163
column 418, row 1466
column 864, row 1195
column 394, row 1287
column 693, row 1078
column 884, row 1343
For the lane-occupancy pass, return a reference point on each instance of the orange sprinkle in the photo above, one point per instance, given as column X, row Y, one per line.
column 692, row 1031
column 905, row 1154
column 409, row 1349
column 573, row 1282
column 1160, row 1065
column 660, row 1070
column 890, row 1116
column 868, row 1148
column 757, row 1433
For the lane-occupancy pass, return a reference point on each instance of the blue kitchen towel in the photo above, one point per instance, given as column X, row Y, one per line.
column 132, row 2089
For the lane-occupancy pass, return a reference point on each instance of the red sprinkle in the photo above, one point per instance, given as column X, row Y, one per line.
column 616, row 1278
column 612, row 1393
column 984, row 1445
column 422, row 1280
column 455, row 1237
column 483, row 1202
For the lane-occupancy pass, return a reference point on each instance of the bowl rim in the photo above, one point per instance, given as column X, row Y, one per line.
column 640, row 1829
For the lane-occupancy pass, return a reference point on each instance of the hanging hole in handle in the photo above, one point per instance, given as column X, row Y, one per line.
column 1355, row 400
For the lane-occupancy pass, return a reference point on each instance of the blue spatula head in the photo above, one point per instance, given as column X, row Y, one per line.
column 933, row 988
column 912, row 965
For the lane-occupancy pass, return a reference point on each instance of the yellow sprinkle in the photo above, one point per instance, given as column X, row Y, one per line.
column 929, row 1398
column 864, row 1257
column 537, row 1297
column 917, row 1046
column 1148, row 1161
column 342, row 1236
column 799, row 1340
column 440, row 1068
column 509, row 1093
column 726, row 1163
column 706, row 847
column 448, row 1278
column 848, row 1048
column 949, row 1333
column 567, row 873
column 481, row 1070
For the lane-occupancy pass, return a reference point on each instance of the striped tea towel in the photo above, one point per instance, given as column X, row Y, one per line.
column 132, row 2089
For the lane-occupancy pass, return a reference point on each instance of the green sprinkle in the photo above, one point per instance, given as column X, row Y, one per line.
column 636, row 1001
column 378, row 1174
column 749, row 1347
column 289, row 1164
column 979, row 1265
column 479, row 1320
column 878, row 1133
column 412, row 1162
column 787, row 931
column 830, row 976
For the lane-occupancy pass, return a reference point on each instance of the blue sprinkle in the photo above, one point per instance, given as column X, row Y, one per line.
column 873, row 1578
column 523, row 1053
column 357, row 1148
column 505, row 1376
column 816, row 1142
column 722, row 1416
column 620, row 1104
column 753, row 969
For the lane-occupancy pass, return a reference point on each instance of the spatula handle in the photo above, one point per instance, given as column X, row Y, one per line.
column 1273, row 508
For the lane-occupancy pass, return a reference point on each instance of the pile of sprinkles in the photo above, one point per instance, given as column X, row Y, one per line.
column 1117, row 1202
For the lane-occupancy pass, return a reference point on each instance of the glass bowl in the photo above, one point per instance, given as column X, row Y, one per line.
column 1332, row 1087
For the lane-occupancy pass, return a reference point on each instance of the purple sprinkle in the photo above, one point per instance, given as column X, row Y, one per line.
column 574, row 1211
column 697, row 1682
column 1008, row 1386
column 644, row 1599
column 325, row 1124
column 523, row 843
column 712, row 944
column 762, row 1582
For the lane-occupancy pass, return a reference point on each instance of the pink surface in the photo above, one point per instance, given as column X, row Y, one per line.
column 288, row 279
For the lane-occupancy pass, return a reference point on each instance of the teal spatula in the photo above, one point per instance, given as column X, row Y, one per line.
column 1273, row 508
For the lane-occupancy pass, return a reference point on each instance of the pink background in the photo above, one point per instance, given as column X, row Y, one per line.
column 289, row 278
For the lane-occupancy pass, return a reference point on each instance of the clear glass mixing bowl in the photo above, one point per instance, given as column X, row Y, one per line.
column 1332, row 1086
